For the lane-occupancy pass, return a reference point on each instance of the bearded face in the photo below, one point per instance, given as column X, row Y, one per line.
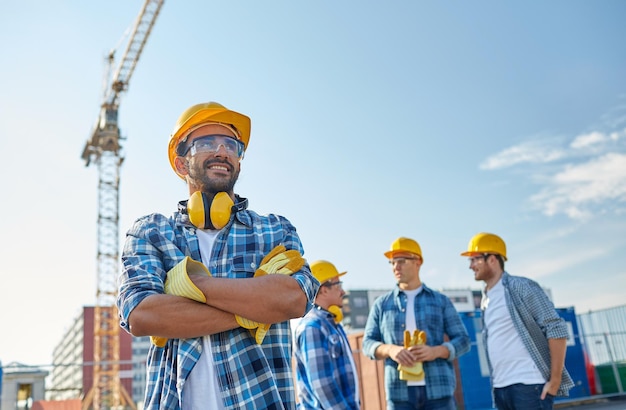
column 213, row 174
column 211, row 162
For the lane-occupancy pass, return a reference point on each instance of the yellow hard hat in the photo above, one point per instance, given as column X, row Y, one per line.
column 485, row 243
column 324, row 270
column 203, row 113
column 403, row 244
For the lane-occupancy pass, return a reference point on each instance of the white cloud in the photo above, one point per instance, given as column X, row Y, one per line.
column 528, row 152
column 579, row 179
column 579, row 189
column 617, row 135
column 597, row 139
column 585, row 140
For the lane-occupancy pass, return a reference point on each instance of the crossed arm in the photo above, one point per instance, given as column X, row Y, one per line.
column 266, row 299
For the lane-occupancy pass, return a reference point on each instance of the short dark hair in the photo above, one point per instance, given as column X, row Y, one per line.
column 500, row 259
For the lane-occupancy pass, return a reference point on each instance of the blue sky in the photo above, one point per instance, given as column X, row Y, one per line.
column 370, row 120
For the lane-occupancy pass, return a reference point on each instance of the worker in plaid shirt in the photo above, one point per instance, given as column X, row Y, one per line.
column 409, row 307
column 525, row 338
column 327, row 376
column 215, row 284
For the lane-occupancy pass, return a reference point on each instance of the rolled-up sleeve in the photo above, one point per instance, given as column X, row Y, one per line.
column 149, row 252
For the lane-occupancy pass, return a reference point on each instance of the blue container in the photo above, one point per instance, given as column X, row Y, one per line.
column 473, row 367
column 575, row 357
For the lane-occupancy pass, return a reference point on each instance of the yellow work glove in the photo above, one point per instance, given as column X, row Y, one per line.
column 278, row 260
column 178, row 283
column 415, row 372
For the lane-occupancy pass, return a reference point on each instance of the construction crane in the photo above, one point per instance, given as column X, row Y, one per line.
column 103, row 148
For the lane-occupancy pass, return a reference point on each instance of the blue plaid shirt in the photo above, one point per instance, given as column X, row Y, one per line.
column 326, row 378
column 536, row 321
column 250, row 376
column 434, row 314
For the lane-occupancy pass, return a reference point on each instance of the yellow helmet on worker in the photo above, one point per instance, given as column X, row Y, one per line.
column 403, row 245
column 324, row 271
column 210, row 112
column 485, row 242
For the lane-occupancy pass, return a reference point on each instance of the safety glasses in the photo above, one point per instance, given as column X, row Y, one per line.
column 476, row 259
column 400, row 261
column 212, row 143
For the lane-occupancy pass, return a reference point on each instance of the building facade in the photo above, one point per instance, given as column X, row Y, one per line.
column 21, row 386
column 73, row 360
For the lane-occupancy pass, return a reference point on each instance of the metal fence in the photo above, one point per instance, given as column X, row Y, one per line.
column 603, row 334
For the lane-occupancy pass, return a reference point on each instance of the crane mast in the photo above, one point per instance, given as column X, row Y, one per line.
column 104, row 149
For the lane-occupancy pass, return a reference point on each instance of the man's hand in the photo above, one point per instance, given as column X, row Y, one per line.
column 425, row 353
column 402, row 356
column 551, row 387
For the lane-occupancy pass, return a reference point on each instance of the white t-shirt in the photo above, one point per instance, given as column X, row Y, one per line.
column 509, row 358
column 411, row 323
column 202, row 389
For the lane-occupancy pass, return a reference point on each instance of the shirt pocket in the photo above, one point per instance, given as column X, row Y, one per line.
column 244, row 266
column 334, row 345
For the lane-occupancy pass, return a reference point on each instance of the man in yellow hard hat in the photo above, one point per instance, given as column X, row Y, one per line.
column 419, row 372
column 524, row 335
column 215, row 284
column 327, row 376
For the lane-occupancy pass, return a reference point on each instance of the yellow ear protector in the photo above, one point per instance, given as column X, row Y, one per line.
column 336, row 312
column 207, row 212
